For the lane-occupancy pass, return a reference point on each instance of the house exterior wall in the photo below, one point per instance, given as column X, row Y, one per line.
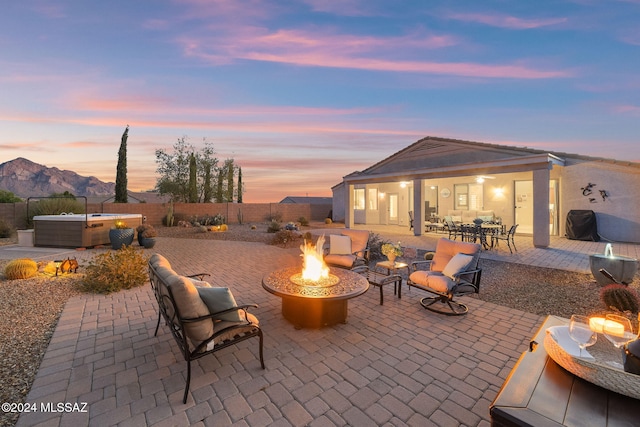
column 618, row 216
column 339, row 202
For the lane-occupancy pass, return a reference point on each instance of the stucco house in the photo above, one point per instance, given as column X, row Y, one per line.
column 436, row 177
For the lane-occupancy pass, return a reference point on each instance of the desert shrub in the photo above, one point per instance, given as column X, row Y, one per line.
column 375, row 246
column 303, row 221
column 328, row 221
column 113, row 271
column 20, row 268
column 6, row 230
column 283, row 237
column 9, row 197
column 274, row 216
column 619, row 297
column 224, row 227
column 55, row 206
column 179, row 217
column 274, row 227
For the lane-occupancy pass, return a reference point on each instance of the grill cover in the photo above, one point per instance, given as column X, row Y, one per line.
column 581, row 225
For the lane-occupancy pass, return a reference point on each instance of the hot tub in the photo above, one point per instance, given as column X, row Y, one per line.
column 78, row 230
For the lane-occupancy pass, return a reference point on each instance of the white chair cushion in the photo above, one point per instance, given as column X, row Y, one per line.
column 456, row 265
column 339, row 245
column 191, row 306
column 218, row 299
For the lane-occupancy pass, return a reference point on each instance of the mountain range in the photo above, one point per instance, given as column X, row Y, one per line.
column 25, row 178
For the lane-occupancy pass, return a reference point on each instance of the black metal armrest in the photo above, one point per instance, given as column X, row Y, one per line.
column 200, row 276
column 360, row 269
column 415, row 264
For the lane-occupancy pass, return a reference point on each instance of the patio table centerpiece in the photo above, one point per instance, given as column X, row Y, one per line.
column 391, row 251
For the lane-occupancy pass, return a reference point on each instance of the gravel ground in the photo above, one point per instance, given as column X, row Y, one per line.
column 30, row 308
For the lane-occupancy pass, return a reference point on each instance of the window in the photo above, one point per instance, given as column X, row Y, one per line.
column 461, row 194
column 373, row 199
column 358, row 198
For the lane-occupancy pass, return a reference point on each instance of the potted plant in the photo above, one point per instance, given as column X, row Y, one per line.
column 146, row 235
column 121, row 234
column 391, row 251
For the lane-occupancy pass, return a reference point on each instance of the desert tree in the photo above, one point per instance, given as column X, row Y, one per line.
column 176, row 168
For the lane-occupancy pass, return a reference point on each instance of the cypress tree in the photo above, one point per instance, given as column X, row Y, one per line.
column 239, row 184
column 230, row 181
column 219, row 198
column 121, row 171
column 207, row 193
column 193, row 187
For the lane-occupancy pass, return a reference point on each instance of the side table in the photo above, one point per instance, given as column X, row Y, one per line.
column 538, row 392
column 380, row 279
column 393, row 268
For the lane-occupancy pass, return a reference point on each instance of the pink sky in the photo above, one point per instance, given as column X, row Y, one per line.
column 304, row 92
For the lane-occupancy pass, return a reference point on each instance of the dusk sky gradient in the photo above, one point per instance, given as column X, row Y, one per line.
column 301, row 93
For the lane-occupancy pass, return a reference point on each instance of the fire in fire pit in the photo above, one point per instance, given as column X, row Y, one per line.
column 314, row 271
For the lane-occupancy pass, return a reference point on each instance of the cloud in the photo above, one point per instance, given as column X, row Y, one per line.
column 506, row 21
column 633, row 110
column 330, row 50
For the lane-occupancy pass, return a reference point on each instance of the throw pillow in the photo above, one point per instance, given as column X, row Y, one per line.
column 218, row 299
column 339, row 245
column 457, row 264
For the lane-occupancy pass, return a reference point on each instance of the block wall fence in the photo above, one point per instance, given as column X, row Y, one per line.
column 16, row 213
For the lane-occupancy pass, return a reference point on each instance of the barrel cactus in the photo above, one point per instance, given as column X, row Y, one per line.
column 620, row 297
column 21, row 268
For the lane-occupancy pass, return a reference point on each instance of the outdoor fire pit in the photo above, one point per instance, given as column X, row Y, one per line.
column 315, row 296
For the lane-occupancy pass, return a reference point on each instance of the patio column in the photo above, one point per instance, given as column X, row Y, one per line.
column 418, row 206
column 348, row 212
column 541, row 208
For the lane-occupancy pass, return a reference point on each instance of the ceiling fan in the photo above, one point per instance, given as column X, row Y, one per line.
column 481, row 178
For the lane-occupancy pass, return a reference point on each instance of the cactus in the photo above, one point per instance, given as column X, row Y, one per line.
column 620, row 297
column 21, row 268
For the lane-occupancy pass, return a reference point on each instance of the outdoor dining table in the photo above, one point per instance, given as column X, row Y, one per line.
column 480, row 231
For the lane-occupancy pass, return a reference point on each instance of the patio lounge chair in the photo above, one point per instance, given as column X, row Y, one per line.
column 348, row 249
column 202, row 319
column 452, row 271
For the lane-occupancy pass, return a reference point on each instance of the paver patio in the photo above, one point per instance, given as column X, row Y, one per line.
column 396, row 364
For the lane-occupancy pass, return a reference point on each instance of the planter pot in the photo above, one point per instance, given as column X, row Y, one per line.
column 392, row 258
column 120, row 237
column 147, row 242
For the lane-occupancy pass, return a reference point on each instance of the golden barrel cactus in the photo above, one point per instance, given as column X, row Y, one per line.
column 21, row 268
